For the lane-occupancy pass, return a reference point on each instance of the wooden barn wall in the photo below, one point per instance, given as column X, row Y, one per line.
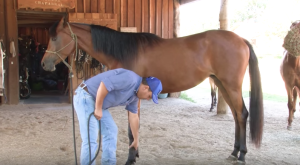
column 153, row 16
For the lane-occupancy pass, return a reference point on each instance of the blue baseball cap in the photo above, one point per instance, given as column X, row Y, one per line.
column 155, row 86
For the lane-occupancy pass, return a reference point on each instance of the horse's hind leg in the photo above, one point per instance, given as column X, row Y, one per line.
column 295, row 91
column 233, row 97
column 234, row 154
column 213, row 90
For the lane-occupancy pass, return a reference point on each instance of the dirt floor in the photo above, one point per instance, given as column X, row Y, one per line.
column 175, row 131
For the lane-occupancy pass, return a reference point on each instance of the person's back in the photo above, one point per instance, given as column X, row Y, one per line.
column 121, row 84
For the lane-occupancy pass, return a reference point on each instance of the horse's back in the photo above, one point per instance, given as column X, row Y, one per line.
column 214, row 52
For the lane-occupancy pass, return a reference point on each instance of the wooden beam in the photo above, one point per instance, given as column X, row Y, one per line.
column 222, row 106
column 171, row 18
column 176, row 19
column 13, row 67
column 39, row 12
column 33, row 22
column 3, row 38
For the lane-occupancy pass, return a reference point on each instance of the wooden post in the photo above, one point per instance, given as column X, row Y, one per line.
column 176, row 28
column 12, row 72
column 222, row 107
column 2, row 37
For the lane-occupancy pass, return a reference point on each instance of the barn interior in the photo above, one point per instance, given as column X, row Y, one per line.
column 45, row 86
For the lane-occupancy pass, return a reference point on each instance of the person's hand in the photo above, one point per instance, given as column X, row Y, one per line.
column 134, row 144
column 98, row 114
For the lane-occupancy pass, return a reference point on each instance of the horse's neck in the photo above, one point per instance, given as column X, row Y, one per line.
column 85, row 43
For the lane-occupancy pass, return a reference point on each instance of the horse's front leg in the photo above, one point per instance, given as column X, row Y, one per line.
column 133, row 153
column 291, row 105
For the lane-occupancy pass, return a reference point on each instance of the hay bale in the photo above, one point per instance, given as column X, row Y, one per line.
column 292, row 40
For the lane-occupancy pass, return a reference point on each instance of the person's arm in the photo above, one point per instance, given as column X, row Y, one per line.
column 134, row 125
column 101, row 94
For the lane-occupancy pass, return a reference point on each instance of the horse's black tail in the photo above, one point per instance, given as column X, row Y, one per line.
column 256, row 99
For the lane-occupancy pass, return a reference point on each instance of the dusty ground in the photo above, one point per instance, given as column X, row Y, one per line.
column 174, row 132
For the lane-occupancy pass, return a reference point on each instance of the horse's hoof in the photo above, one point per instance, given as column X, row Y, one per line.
column 238, row 162
column 129, row 163
column 231, row 158
column 289, row 128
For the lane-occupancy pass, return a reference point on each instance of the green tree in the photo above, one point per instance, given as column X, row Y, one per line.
column 248, row 9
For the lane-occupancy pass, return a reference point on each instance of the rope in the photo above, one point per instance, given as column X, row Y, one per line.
column 99, row 135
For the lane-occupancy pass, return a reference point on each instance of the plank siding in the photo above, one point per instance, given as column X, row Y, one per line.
column 109, row 6
column 165, row 19
column 94, row 5
column 154, row 16
column 117, row 10
column 158, row 17
column 152, row 8
column 131, row 13
column 124, row 13
column 145, row 16
column 138, row 15
column 80, row 6
column 101, row 7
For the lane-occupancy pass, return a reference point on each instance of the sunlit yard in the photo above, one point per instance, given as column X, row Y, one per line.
column 264, row 23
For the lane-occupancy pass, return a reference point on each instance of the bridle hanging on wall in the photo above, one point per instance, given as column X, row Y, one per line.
column 82, row 65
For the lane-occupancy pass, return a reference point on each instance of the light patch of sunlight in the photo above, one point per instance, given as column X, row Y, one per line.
column 267, row 32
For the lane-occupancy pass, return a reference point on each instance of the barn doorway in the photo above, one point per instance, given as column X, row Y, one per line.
column 45, row 86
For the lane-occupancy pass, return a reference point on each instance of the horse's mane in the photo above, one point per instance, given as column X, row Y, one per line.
column 52, row 29
column 122, row 46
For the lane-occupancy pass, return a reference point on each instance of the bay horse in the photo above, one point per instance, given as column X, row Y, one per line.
column 180, row 64
column 290, row 71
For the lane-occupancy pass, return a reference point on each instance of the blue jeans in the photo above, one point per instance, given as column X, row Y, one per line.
column 85, row 105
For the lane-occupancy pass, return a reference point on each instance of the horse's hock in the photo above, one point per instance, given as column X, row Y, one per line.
column 292, row 40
